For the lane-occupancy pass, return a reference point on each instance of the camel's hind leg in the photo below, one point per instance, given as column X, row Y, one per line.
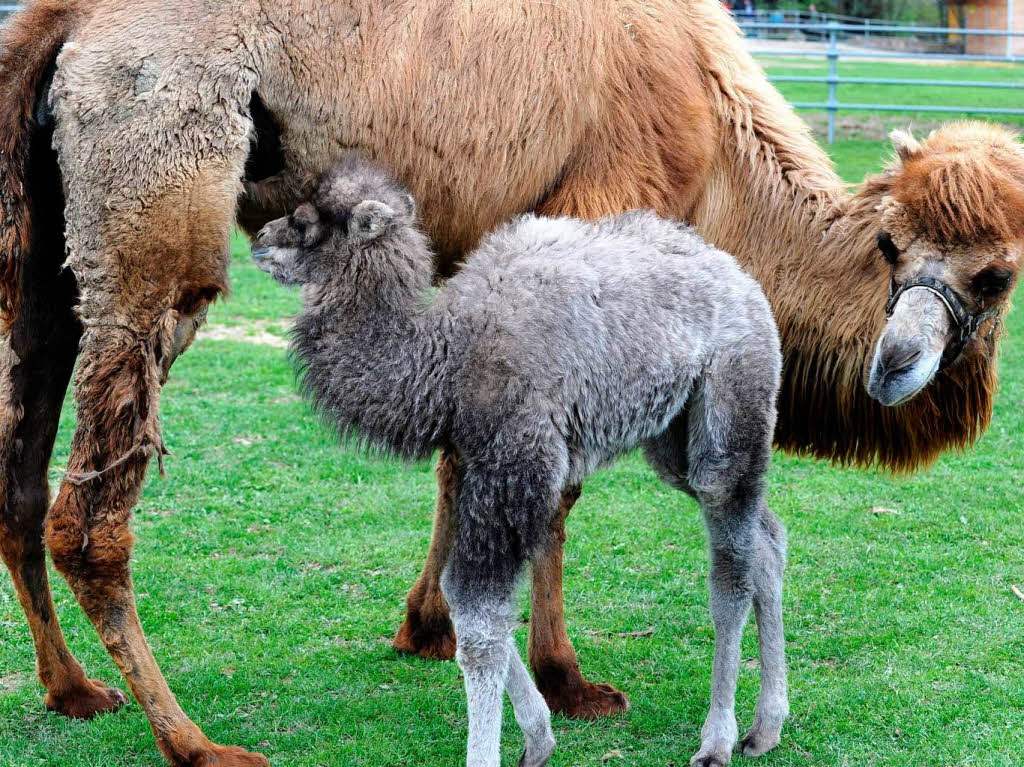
column 35, row 365
column 151, row 187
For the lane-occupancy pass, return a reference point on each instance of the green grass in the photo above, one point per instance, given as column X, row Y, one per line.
column 271, row 568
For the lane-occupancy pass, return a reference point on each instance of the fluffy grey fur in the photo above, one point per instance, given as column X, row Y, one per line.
column 560, row 345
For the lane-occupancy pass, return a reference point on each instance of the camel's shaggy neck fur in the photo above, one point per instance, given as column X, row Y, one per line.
column 774, row 200
column 373, row 359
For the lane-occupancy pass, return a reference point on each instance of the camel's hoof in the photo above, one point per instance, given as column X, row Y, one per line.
column 586, row 700
column 87, row 701
column 432, row 638
column 229, row 756
column 757, row 742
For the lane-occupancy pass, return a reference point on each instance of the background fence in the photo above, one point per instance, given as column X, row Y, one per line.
column 832, row 33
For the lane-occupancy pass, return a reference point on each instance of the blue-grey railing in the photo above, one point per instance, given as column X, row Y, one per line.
column 832, row 53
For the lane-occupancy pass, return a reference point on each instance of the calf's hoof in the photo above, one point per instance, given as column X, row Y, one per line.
column 710, row 759
column 537, row 752
column 582, row 699
column 431, row 637
column 86, row 701
column 757, row 742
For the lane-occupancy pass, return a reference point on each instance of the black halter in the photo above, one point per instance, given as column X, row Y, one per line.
column 967, row 324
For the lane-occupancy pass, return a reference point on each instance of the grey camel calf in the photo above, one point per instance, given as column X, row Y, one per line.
column 560, row 345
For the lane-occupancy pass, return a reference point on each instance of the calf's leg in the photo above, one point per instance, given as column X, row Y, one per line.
column 483, row 622
column 427, row 629
column 730, row 423
column 773, row 703
column 731, row 595
column 504, row 512
column 532, row 713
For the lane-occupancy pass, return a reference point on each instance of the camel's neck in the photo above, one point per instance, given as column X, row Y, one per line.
column 373, row 359
column 774, row 202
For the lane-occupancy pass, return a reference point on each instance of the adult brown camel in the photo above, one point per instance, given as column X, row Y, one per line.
column 126, row 130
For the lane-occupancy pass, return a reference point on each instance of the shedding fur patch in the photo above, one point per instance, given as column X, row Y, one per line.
column 147, row 437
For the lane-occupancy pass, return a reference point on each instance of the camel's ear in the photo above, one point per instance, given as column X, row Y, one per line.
column 411, row 202
column 905, row 144
column 369, row 219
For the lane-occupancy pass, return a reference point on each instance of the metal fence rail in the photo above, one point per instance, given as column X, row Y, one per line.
column 832, row 53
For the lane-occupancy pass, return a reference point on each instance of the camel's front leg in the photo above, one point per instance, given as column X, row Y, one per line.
column 427, row 630
column 551, row 653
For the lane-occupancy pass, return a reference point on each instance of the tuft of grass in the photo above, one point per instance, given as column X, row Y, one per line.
column 271, row 568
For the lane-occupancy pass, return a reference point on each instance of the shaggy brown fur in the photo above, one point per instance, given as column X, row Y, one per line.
column 581, row 107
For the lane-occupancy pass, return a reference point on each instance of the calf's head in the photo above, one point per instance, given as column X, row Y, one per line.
column 355, row 204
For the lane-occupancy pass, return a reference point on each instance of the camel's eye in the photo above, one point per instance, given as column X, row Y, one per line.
column 889, row 251
column 992, row 280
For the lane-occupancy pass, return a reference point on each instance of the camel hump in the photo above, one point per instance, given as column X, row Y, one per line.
column 28, row 49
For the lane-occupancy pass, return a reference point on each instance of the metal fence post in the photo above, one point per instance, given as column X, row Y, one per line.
column 1009, row 29
column 833, row 78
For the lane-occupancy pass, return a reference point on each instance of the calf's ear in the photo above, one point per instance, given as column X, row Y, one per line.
column 369, row 220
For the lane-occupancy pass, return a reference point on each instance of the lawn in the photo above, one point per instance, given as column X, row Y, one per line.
column 271, row 568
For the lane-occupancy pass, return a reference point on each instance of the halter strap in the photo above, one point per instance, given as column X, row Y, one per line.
column 967, row 324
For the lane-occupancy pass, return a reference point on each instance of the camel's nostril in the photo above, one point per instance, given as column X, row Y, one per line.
column 900, row 357
column 260, row 255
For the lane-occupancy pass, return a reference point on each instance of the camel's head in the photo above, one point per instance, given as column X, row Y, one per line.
column 355, row 204
column 952, row 233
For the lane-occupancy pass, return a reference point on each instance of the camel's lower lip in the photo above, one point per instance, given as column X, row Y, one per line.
column 904, row 398
column 884, row 382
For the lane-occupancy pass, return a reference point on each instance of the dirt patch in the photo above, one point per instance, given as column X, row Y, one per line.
column 870, row 127
column 256, row 332
column 13, row 682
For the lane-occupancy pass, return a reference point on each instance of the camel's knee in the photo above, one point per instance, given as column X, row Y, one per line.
column 83, row 553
